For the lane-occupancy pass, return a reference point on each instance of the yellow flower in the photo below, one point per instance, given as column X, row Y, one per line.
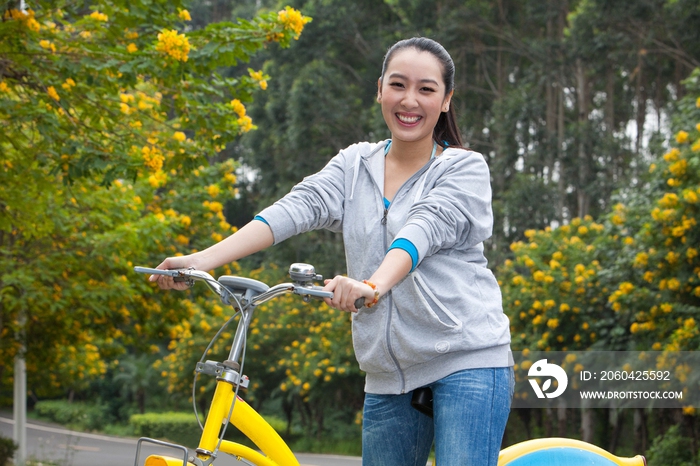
column 4, row 87
column 681, row 137
column 179, row 136
column 292, row 19
column 690, row 196
column 697, row 103
column 617, row 219
column 673, row 284
column 238, row 108
column 51, row 91
column 131, row 48
column 564, row 307
column 213, row 190
column 68, row 84
column 245, row 123
column 678, row 168
column 184, row 15
column 152, row 158
column 46, row 44
column 641, row 260
column 25, row 17
column 538, row 276
column 158, row 179
column 263, row 84
column 672, row 155
column 669, row 200
column 216, row 206
column 173, row 44
column 85, row 34
column 553, row 323
column 96, row 15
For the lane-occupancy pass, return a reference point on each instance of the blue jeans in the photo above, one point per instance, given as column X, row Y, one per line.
column 470, row 412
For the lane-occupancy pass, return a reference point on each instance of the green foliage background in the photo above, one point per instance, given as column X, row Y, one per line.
column 130, row 131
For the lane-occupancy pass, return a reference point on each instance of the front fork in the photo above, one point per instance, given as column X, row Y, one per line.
column 250, row 423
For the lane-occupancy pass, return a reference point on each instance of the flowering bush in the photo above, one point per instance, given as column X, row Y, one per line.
column 631, row 281
column 109, row 120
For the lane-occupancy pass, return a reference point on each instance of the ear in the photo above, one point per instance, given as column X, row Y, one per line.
column 379, row 90
column 446, row 103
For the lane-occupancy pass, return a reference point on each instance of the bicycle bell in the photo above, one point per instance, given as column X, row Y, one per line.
column 303, row 273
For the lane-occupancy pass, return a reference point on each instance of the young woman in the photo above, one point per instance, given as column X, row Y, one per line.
column 414, row 212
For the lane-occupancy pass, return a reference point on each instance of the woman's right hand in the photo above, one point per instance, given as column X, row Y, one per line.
column 165, row 282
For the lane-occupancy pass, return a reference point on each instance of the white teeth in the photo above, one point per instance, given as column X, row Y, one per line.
column 407, row 119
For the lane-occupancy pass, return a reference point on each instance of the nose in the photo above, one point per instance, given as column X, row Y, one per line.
column 409, row 99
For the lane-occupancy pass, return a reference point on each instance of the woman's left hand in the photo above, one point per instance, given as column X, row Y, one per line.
column 346, row 291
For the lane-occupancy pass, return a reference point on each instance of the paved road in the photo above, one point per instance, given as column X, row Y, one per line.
column 68, row 448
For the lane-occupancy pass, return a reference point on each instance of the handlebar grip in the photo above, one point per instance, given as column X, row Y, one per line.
column 172, row 273
column 175, row 273
column 359, row 303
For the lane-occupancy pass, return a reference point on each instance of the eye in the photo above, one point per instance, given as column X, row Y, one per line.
column 427, row 89
column 396, row 84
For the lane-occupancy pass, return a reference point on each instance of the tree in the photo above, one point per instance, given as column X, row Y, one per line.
column 117, row 94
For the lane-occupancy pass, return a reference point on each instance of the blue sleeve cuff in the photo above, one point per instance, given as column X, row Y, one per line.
column 410, row 248
column 258, row 217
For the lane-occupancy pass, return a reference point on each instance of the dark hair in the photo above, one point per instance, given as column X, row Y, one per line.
column 446, row 133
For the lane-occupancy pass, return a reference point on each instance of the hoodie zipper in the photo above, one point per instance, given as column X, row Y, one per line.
column 388, row 296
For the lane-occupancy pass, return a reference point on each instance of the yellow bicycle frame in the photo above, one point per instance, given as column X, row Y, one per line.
column 249, row 422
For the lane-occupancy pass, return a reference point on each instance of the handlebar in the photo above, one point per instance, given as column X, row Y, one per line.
column 305, row 288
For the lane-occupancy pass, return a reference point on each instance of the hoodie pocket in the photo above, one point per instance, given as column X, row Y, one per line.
column 434, row 306
column 422, row 327
column 369, row 340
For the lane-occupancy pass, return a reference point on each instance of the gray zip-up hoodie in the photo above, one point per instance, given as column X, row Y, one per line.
column 446, row 315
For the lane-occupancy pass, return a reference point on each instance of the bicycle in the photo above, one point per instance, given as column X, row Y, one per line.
column 244, row 294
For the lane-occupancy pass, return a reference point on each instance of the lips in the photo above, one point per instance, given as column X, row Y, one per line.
column 409, row 120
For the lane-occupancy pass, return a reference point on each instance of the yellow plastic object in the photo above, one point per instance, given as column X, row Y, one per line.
column 160, row 460
column 518, row 453
column 251, row 424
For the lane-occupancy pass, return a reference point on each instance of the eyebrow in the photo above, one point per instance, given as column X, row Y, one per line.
column 424, row 80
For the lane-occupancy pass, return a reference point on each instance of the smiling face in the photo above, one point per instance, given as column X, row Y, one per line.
column 412, row 95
